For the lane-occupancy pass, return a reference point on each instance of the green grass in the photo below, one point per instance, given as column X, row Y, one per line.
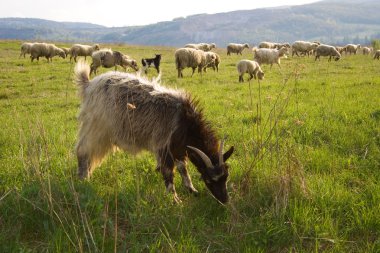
column 304, row 176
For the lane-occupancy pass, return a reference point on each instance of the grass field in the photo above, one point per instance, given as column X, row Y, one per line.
column 304, row 177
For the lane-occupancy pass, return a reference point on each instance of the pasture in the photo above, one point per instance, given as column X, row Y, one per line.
column 304, row 175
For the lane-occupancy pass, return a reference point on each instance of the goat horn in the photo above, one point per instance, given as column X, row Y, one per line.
column 204, row 157
column 221, row 152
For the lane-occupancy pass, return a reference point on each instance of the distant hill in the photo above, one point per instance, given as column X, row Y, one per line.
column 331, row 21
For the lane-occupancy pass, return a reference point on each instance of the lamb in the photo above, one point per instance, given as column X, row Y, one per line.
column 326, row 50
column 340, row 49
column 269, row 56
column 128, row 112
column 146, row 62
column 366, row 50
column 202, row 46
column 376, row 55
column 25, row 48
column 352, row 48
column 66, row 50
column 45, row 50
column 250, row 67
column 82, row 50
column 191, row 58
column 303, row 47
column 214, row 64
column 108, row 59
column 236, row 48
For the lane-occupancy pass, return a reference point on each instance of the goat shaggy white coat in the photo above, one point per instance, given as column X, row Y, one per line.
column 125, row 111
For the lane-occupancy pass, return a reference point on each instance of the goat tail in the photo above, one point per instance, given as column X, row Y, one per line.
column 82, row 76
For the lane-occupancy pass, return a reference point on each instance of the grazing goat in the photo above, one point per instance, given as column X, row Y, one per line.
column 125, row 111
column 146, row 62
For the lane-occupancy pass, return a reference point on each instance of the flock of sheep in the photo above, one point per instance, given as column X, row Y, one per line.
column 197, row 56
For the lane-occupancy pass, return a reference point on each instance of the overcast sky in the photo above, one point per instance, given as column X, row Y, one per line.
column 128, row 12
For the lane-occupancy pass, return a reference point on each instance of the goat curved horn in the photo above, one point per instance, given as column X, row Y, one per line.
column 221, row 152
column 204, row 157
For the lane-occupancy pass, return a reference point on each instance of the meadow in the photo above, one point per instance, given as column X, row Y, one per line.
column 304, row 176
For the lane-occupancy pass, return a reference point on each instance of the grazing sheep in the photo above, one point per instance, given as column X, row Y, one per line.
column 214, row 64
column 326, row 50
column 128, row 112
column 271, row 45
column 376, row 55
column 191, row 58
column 269, row 56
column 82, row 50
column 66, row 50
column 250, row 67
column 340, row 49
column 201, row 46
column 236, row 48
column 352, row 48
column 366, row 50
column 108, row 59
column 45, row 50
column 266, row 44
column 146, row 62
column 25, row 48
column 303, row 47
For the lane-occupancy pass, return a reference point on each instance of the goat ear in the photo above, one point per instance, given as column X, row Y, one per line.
column 228, row 153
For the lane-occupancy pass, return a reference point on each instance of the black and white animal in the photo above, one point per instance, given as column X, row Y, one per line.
column 146, row 62
column 125, row 111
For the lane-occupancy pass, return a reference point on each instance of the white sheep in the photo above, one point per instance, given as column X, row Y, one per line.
column 66, row 50
column 25, row 48
column 366, row 50
column 191, row 58
column 214, row 64
column 108, row 58
column 236, row 48
column 82, row 50
column 45, row 50
column 327, row 50
column 201, row 46
column 250, row 67
column 352, row 48
column 269, row 56
column 266, row 44
column 303, row 47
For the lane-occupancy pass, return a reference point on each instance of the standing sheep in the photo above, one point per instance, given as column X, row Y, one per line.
column 366, row 50
column 191, row 58
column 212, row 64
column 45, row 50
column 82, row 50
column 202, row 46
column 66, row 50
column 303, row 47
column 25, row 48
column 108, row 59
column 128, row 112
column 326, row 50
column 352, row 48
column 236, row 48
column 250, row 67
column 269, row 56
